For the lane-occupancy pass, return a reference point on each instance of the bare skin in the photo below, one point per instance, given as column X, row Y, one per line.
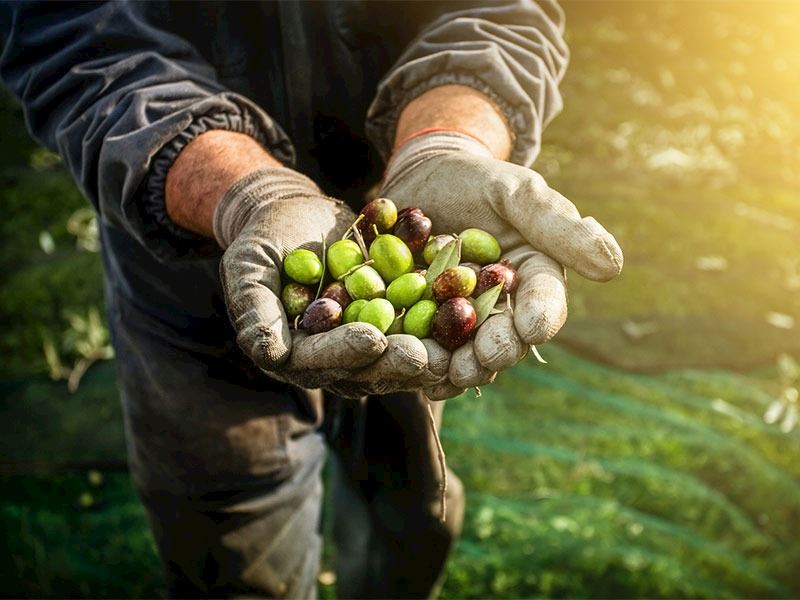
column 215, row 160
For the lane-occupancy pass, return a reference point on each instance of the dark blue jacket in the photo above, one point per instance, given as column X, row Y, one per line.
column 118, row 88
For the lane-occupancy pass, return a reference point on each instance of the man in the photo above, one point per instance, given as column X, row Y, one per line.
column 212, row 139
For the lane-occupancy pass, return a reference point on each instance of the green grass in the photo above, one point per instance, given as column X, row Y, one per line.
column 582, row 481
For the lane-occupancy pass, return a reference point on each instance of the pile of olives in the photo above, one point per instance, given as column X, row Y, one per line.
column 375, row 278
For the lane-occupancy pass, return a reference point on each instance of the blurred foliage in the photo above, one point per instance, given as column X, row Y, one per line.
column 680, row 132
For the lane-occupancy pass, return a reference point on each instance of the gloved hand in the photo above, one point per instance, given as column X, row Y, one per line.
column 457, row 182
column 262, row 218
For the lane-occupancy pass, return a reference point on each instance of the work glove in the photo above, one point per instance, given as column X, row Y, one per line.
column 262, row 218
column 458, row 183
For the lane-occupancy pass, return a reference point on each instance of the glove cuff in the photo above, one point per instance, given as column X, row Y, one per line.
column 429, row 144
column 254, row 191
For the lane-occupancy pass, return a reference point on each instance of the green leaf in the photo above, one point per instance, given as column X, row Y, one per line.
column 485, row 303
column 448, row 257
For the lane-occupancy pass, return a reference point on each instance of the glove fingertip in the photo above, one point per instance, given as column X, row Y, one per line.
column 268, row 347
column 498, row 346
column 606, row 260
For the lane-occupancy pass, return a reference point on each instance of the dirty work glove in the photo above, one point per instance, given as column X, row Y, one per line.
column 259, row 221
column 457, row 182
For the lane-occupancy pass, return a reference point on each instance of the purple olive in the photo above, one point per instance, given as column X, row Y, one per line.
column 337, row 291
column 454, row 322
column 454, row 282
column 413, row 227
column 494, row 274
column 322, row 315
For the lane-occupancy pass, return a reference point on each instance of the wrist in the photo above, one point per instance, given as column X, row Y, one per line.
column 204, row 170
column 425, row 145
column 457, row 108
column 253, row 191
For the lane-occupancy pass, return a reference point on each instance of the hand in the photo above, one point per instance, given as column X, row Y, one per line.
column 261, row 218
column 457, row 182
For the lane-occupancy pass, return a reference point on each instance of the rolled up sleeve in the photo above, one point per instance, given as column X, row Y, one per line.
column 513, row 52
column 118, row 98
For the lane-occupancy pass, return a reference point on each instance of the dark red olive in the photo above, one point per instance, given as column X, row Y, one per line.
column 494, row 274
column 454, row 322
column 337, row 291
column 454, row 282
column 413, row 227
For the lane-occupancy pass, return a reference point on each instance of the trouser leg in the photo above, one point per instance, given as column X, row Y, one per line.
column 390, row 542
column 227, row 463
column 259, row 542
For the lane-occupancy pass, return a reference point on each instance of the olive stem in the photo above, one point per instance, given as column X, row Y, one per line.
column 360, row 241
column 352, row 270
column 442, row 464
column 352, row 226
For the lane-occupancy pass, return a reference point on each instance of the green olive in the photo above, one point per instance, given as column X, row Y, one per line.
column 343, row 256
column 479, row 246
column 378, row 312
column 406, row 290
column 419, row 317
column 391, row 257
column 365, row 283
column 352, row 311
column 303, row 266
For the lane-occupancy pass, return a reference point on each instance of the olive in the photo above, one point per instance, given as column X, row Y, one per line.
column 418, row 319
column 352, row 310
column 381, row 213
column 454, row 282
column 479, row 246
column 404, row 291
column 365, row 283
column 391, row 257
column 303, row 266
column 322, row 315
column 494, row 274
column 434, row 244
column 454, row 322
column 296, row 298
column 378, row 312
column 336, row 290
column 413, row 227
column 343, row 256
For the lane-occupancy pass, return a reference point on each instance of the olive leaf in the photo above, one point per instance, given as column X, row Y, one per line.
column 447, row 257
column 485, row 303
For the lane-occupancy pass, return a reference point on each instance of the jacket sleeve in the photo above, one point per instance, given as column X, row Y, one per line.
column 118, row 98
column 513, row 51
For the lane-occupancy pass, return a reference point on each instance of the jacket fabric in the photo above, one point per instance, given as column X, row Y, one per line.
column 119, row 88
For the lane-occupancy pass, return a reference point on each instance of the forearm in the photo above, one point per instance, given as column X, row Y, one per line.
column 461, row 108
column 204, row 170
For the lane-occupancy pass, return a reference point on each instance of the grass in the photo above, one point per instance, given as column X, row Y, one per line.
column 582, row 481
